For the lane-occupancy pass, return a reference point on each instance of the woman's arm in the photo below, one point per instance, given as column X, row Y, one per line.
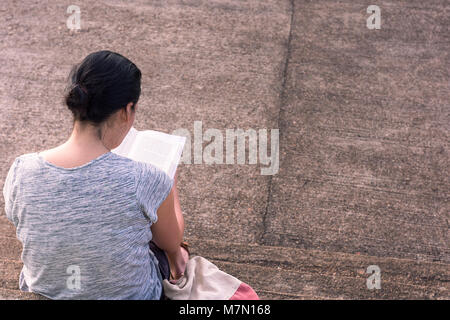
column 168, row 231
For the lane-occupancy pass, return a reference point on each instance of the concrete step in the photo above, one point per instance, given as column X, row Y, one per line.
column 291, row 271
column 10, row 248
column 10, row 270
column 7, row 294
column 6, row 228
column 9, row 274
column 299, row 285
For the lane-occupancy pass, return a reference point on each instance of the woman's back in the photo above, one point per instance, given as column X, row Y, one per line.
column 85, row 230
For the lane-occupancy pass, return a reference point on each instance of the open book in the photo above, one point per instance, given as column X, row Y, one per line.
column 157, row 148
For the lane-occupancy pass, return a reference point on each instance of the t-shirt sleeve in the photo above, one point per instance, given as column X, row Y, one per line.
column 10, row 191
column 152, row 188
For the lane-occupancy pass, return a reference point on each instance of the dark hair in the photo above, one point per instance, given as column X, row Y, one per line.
column 101, row 84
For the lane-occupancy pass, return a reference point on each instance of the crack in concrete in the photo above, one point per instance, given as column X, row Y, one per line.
column 279, row 120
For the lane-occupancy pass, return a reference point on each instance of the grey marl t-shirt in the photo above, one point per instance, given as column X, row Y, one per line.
column 85, row 230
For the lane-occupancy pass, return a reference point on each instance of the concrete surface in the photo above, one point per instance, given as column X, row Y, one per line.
column 364, row 131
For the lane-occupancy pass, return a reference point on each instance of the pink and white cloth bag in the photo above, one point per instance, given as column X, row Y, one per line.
column 202, row 280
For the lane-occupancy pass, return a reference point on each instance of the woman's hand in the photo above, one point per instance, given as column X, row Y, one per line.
column 177, row 262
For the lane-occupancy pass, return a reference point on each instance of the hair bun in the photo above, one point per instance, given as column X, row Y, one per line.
column 77, row 100
column 103, row 83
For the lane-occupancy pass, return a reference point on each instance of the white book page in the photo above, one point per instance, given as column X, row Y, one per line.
column 124, row 148
column 157, row 148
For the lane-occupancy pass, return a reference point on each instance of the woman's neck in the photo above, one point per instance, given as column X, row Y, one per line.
column 86, row 138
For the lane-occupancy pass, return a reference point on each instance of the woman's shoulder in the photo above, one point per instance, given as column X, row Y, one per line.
column 138, row 168
column 144, row 169
column 16, row 169
column 24, row 160
column 121, row 161
column 26, row 156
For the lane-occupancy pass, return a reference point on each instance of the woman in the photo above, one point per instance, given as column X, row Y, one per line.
column 87, row 217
